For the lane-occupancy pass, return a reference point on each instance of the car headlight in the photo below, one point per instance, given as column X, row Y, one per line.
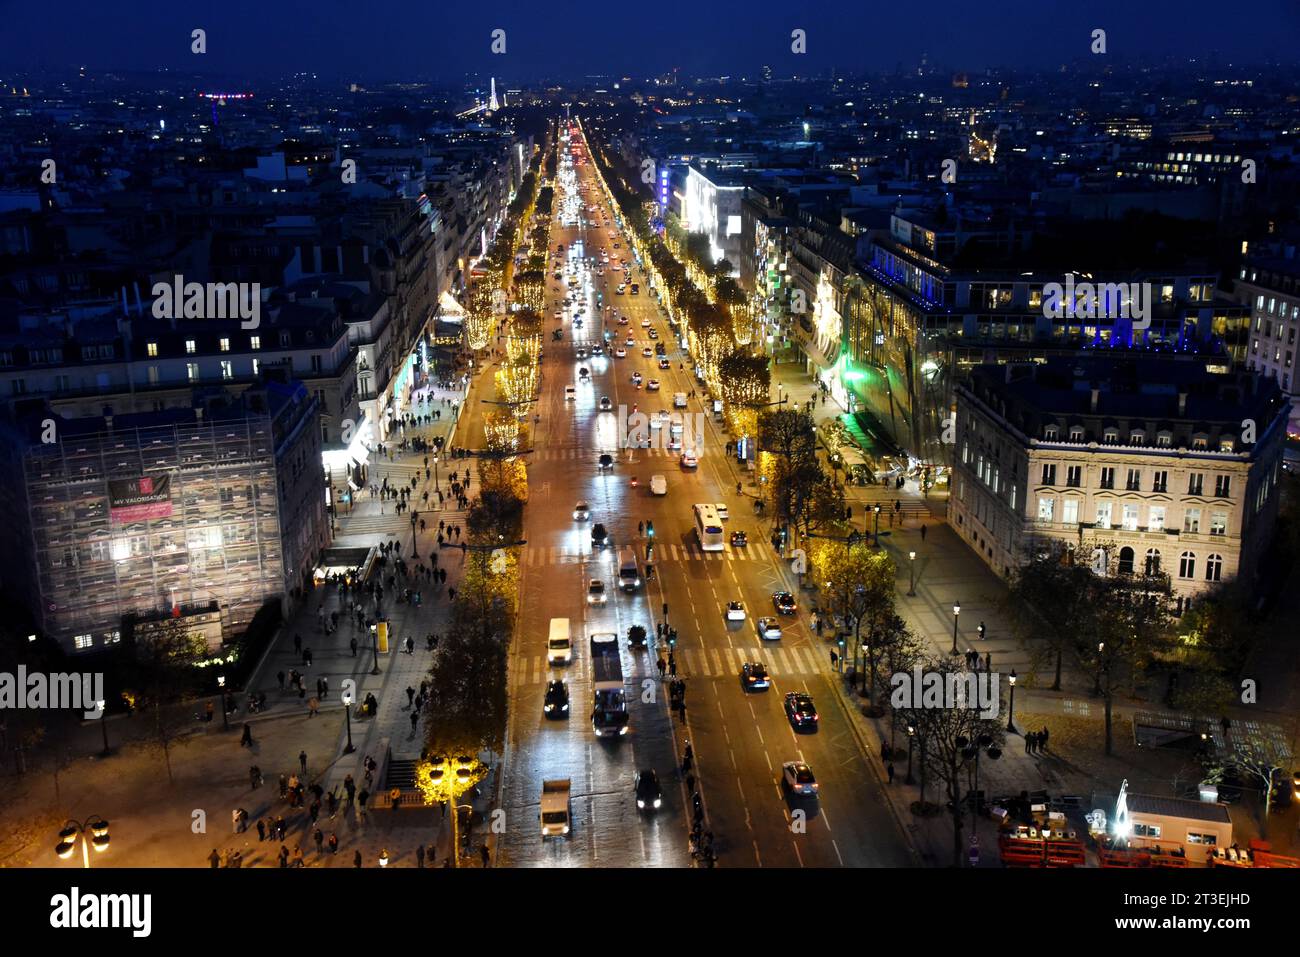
column 640, row 803
column 564, row 707
column 549, row 707
column 658, row 802
column 623, row 730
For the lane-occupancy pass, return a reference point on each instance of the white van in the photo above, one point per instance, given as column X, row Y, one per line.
column 629, row 573
column 559, row 645
column 679, row 400
column 570, row 393
column 658, row 485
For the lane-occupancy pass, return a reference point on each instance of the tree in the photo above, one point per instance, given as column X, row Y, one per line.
column 166, row 653
column 1260, row 758
column 1052, row 599
column 746, row 379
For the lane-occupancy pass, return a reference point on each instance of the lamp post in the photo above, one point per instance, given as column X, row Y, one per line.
column 347, row 712
column 225, row 718
column 415, row 517
column 956, row 612
column 102, row 707
column 971, row 750
column 436, row 486
column 75, row 831
column 911, row 566
column 1096, row 685
column 374, row 646
column 876, row 510
column 911, row 733
column 1011, row 708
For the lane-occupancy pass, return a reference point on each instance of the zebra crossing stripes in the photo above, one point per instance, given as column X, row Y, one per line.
column 781, row 662
column 591, row 455
column 540, row 556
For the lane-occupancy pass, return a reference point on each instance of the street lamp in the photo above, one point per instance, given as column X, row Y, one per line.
column 436, row 486
column 74, row 831
column 971, row 750
column 383, row 857
column 374, row 646
column 1096, row 686
column 911, row 565
column 1011, row 708
column 347, row 711
column 102, row 707
column 877, row 530
column 225, row 718
column 911, row 733
column 956, row 612
column 415, row 517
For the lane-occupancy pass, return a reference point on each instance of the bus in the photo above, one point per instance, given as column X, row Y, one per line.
column 708, row 528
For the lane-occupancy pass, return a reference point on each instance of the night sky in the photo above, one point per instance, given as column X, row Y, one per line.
column 374, row 40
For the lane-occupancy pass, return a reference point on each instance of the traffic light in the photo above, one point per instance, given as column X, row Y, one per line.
column 650, row 529
column 672, row 637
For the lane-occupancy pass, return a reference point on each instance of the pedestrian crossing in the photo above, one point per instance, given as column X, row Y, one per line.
column 592, row 455
column 543, row 557
column 781, row 662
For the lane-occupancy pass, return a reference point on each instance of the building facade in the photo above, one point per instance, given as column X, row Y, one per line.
column 1147, row 464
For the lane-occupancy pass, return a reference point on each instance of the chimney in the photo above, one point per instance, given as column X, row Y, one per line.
column 1092, row 404
column 1182, row 404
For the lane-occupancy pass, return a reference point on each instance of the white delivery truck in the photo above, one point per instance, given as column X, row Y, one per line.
column 609, row 713
column 559, row 644
column 555, row 808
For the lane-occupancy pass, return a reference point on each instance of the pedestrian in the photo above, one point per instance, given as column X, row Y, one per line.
column 247, row 740
column 662, row 665
column 922, row 533
column 334, row 843
column 279, row 676
column 284, row 787
column 835, row 659
column 254, row 776
column 279, row 827
column 302, row 761
column 672, row 664
column 314, row 811
column 415, row 719
column 350, row 786
column 1028, row 740
column 410, row 696
column 297, row 858
column 297, row 643
column 410, row 646
column 1042, row 737
column 889, row 769
column 353, row 645
column 261, row 830
column 419, row 856
column 214, row 858
column 362, row 798
column 483, row 852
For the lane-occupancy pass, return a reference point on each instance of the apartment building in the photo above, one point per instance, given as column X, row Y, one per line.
column 1270, row 286
column 1137, row 463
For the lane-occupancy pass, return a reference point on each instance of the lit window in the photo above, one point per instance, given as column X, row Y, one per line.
column 255, row 342
column 192, row 371
column 224, row 344
column 227, row 369
column 190, row 347
column 152, row 349
column 81, row 642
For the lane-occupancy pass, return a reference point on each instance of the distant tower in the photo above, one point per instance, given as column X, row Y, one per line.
column 492, row 97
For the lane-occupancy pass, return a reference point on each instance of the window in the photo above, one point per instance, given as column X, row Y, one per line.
column 1195, row 482
column 1156, row 518
column 1049, row 474
column 1107, row 477
column 1074, row 476
column 1218, row 523
column 1214, row 568
column 315, row 363
column 285, row 338
column 227, row 369
column 255, row 365
column 82, row 642
column 1046, row 506
column 255, row 342
column 1222, row 486
column 1192, row 520
column 223, row 344
column 1076, row 433
column 1164, row 439
column 1012, row 502
column 1110, row 437
column 1146, row 830
column 153, row 375
column 192, row 371
column 1103, row 514
column 1187, row 565
column 1153, row 561
column 1050, row 433
column 190, row 347
column 1160, row 481
column 1126, row 561
column 1131, row 518
column 1134, row 481
column 1137, row 437
column 152, row 350
column 1195, row 837
column 1070, row 511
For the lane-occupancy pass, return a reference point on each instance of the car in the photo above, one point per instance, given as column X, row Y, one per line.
column 658, row 485
column 605, row 462
column 645, row 323
column 739, row 539
column 654, row 334
column 652, row 385
column 636, row 378
column 721, row 509
column 606, row 403
column 674, row 442
column 584, row 373
column 581, row 353
column 768, row 629
column 597, row 350
column 556, row 702
column 664, row 363
column 689, row 461
column 620, row 353
column 801, row 711
column 754, row 677
column 630, row 342
column 735, row 611
column 784, row 602
column 647, row 353
column 661, row 351
column 570, row 393
column 621, row 288
column 797, row 778
column 582, row 511
column 622, row 320
column 595, row 592
column 649, row 795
